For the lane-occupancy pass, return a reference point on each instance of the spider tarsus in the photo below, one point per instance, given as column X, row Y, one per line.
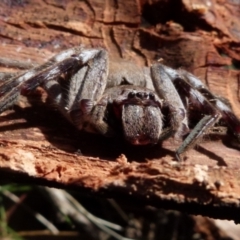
column 177, row 155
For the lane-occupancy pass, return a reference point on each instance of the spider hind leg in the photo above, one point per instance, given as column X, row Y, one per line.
column 227, row 115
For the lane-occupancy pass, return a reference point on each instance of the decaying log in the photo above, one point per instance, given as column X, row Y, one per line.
column 37, row 145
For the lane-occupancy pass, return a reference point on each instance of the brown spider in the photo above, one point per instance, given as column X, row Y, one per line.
column 147, row 105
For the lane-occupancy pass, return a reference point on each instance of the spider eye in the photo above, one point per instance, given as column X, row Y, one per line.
column 140, row 94
column 151, row 96
column 131, row 94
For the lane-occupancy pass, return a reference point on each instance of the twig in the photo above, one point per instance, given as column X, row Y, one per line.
column 37, row 215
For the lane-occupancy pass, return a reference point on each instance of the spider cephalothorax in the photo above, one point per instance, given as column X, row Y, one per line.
column 147, row 104
column 139, row 111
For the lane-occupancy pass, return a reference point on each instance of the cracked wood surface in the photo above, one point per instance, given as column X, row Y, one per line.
column 37, row 145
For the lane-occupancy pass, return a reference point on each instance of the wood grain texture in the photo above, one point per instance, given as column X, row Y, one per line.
column 37, row 145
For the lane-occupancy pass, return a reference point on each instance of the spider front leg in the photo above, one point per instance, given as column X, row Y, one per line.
column 162, row 74
column 13, row 86
column 86, row 82
column 84, row 70
column 6, row 76
column 166, row 90
column 84, row 104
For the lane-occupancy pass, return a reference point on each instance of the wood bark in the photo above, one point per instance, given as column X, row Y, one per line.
column 37, row 145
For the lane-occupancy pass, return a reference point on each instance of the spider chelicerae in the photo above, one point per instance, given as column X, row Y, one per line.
column 145, row 105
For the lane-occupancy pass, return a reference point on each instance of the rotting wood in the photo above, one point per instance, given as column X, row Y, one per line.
column 39, row 146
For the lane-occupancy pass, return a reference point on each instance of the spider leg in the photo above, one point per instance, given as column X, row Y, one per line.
column 224, row 108
column 29, row 80
column 47, row 75
column 4, row 76
column 167, row 91
column 198, row 101
column 86, row 71
column 85, row 103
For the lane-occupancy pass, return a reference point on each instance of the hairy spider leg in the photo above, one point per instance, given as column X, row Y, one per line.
column 29, row 80
column 4, row 76
column 10, row 90
column 224, row 108
column 87, row 71
column 87, row 83
column 167, row 91
column 198, row 101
